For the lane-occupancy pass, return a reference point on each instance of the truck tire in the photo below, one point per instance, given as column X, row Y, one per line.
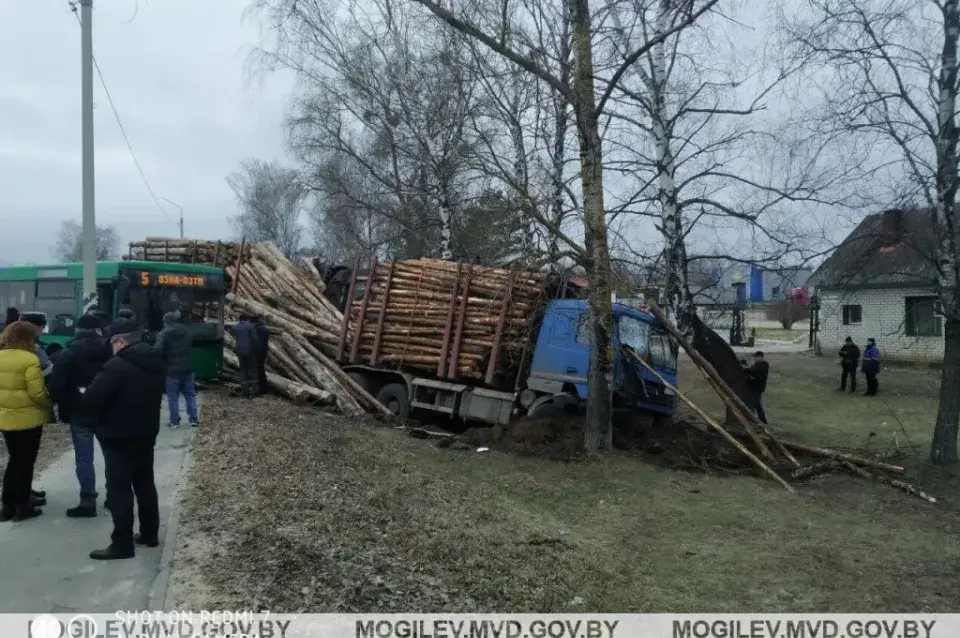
column 362, row 380
column 396, row 398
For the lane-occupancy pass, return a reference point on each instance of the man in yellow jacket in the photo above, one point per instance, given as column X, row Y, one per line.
column 24, row 409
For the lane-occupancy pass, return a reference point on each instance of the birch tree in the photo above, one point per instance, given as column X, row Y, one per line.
column 587, row 107
column 387, row 98
column 271, row 199
column 889, row 74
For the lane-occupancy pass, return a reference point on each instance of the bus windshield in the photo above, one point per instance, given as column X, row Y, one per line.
column 197, row 307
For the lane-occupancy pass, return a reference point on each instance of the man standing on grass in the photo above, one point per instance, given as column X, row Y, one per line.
column 175, row 344
column 757, row 382
column 123, row 402
column 849, row 358
column 76, row 368
column 871, row 367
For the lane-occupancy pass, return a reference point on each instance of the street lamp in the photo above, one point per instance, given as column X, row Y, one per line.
column 181, row 214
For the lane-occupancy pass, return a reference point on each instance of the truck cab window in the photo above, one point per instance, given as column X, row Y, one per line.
column 633, row 332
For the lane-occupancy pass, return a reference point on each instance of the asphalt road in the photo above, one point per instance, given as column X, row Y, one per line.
column 45, row 565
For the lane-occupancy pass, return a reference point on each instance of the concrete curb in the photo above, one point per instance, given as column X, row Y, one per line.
column 157, row 595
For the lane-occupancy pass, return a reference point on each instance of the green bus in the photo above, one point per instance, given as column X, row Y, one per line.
column 149, row 289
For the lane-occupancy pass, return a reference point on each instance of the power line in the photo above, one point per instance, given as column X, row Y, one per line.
column 123, row 131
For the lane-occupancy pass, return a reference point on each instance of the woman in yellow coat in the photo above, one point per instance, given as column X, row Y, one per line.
column 24, row 409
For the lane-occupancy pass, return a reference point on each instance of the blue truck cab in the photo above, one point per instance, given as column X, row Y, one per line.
column 561, row 359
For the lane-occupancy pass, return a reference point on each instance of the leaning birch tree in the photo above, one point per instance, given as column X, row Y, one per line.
column 889, row 74
column 587, row 106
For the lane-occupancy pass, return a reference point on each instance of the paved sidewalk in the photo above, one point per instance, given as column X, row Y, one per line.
column 45, row 565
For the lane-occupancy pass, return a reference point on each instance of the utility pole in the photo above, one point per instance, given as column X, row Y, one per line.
column 86, row 116
column 180, row 223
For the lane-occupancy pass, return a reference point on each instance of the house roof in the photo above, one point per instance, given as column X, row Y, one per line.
column 865, row 259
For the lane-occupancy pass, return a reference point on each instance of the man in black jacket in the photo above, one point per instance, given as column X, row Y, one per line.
column 76, row 368
column 176, row 345
column 849, row 358
column 757, row 382
column 124, row 403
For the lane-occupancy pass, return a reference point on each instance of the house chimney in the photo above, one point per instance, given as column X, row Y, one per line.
column 891, row 227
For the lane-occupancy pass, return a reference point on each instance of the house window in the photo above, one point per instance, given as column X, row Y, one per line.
column 775, row 293
column 921, row 318
column 852, row 315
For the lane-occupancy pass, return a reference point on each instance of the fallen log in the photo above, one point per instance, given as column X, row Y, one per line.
column 756, row 461
column 320, row 374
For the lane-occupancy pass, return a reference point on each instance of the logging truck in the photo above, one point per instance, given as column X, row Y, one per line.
column 487, row 345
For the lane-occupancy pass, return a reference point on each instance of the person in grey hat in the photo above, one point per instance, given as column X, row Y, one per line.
column 124, row 403
column 176, row 346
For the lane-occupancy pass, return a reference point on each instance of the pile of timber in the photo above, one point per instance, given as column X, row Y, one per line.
column 451, row 319
column 760, row 445
column 188, row 251
column 304, row 325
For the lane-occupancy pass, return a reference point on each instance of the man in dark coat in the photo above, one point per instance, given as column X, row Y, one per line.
column 124, row 404
column 263, row 336
column 76, row 367
column 757, row 382
column 176, row 346
column 849, row 358
column 248, row 353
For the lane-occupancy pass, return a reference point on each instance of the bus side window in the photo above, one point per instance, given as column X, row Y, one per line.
column 20, row 294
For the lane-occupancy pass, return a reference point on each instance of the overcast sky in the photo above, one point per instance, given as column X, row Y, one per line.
column 178, row 75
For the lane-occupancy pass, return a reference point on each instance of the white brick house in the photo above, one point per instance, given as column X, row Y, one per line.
column 879, row 284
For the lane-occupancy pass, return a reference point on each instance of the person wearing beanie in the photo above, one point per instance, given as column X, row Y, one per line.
column 13, row 316
column 76, row 368
column 123, row 402
column 39, row 320
column 176, row 345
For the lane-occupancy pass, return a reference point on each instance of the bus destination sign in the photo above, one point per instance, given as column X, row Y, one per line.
column 154, row 279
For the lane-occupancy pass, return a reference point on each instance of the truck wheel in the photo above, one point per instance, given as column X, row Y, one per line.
column 362, row 380
column 395, row 397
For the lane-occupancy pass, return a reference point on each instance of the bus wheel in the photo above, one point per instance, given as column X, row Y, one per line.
column 396, row 398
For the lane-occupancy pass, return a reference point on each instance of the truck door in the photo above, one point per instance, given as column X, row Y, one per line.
column 562, row 355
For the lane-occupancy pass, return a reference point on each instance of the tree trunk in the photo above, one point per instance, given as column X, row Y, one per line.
column 561, row 121
column 677, row 298
column 598, row 433
column 943, row 451
column 446, row 225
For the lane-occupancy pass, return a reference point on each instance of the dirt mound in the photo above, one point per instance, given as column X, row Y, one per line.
column 557, row 434
column 676, row 443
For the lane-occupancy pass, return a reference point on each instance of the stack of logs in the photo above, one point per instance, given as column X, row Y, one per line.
column 304, row 325
column 446, row 318
column 188, row 251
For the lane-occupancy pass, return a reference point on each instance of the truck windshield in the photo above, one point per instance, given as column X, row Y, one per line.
column 633, row 333
column 650, row 341
column 661, row 354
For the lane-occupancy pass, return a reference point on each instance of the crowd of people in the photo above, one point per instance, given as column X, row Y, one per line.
column 107, row 385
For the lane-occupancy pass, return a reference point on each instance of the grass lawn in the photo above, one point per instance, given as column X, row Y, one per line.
column 294, row 510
